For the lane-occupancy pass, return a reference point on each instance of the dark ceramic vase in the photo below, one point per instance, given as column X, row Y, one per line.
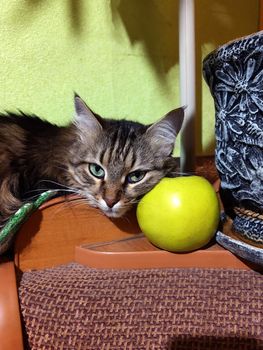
column 234, row 73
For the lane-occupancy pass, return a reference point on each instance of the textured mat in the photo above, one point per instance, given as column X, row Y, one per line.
column 75, row 307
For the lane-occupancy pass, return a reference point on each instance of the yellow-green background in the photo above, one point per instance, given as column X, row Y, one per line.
column 121, row 56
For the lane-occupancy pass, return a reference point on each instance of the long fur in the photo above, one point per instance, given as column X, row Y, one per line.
column 35, row 154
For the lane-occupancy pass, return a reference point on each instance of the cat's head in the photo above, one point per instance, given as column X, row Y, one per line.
column 114, row 163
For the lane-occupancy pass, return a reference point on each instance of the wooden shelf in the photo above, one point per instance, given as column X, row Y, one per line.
column 62, row 231
column 137, row 252
column 65, row 229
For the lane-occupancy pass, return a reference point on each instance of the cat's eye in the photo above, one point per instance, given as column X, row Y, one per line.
column 135, row 176
column 96, row 170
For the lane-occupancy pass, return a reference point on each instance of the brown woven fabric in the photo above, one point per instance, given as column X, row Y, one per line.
column 75, row 307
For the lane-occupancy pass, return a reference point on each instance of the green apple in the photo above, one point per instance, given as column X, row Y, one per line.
column 179, row 214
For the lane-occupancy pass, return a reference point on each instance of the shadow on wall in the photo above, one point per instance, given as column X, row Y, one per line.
column 154, row 23
column 75, row 8
column 75, row 11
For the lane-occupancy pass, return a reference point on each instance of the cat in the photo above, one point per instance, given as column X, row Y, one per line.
column 110, row 163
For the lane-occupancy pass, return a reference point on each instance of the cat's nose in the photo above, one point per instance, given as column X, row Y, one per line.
column 111, row 201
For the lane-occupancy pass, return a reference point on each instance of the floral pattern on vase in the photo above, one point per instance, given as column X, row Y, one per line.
column 234, row 73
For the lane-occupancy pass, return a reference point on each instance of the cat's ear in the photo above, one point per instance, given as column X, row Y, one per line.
column 85, row 118
column 162, row 134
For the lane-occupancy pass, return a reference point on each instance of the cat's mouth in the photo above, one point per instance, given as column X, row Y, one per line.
column 116, row 211
column 113, row 214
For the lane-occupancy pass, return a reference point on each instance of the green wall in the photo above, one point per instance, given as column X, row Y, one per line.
column 121, row 56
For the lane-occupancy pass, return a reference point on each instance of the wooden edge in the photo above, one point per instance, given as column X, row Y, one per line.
column 260, row 14
column 10, row 322
column 158, row 259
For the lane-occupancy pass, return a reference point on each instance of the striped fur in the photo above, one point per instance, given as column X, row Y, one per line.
column 35, row 154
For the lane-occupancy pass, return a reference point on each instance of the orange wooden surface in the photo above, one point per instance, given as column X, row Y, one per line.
column 51, row 234
column 10, row 323
column 137, row 252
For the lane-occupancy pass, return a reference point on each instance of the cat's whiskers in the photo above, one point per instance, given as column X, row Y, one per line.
column 73, row 203
column 61, row 186
column 80, row 202
column 181, row 173
column 39, row 190
column 32, row 198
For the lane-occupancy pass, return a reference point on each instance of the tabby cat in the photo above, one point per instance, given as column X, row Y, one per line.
column 110, row 163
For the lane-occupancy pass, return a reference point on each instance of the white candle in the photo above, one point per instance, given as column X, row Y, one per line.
column 187, row 82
